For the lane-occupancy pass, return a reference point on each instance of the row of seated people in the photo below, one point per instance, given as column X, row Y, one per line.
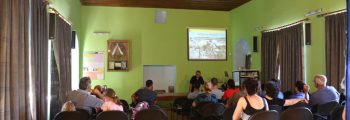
column 248, row 100
column 99, row 100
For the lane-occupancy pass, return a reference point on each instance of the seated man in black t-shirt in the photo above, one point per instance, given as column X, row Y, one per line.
column 145, row 94
column 196, row 80
column 271, row 96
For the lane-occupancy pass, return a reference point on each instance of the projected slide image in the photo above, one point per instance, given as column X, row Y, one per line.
column 206, row 44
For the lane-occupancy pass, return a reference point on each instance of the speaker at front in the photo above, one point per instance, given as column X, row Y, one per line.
column 52, row 25
column 307, row 33
column 255, row 44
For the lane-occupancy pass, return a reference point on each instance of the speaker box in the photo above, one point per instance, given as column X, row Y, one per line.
column 52, row 25
column 255, row 44
column 73, row 39
column 308, row 34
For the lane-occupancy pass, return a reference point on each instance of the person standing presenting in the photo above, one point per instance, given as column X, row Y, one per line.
column 197, row 79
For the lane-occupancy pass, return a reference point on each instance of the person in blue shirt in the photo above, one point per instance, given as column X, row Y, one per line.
column 324, row 93
column 299, row 90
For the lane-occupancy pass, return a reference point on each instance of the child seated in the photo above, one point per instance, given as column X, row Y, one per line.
column 68, row 107
column 111, row 101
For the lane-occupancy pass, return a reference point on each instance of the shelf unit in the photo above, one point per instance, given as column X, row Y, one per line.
column 244, row 74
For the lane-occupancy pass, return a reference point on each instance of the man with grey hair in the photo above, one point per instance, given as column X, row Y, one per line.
column 82, row 98
column 324, row 93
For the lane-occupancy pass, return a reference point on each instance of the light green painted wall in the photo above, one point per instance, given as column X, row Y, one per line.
column 151, row 44
column 274, row 13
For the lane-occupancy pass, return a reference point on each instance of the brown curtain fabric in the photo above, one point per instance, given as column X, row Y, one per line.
column 62, row 51
column 290, row 57
column 269, row 66
column 14, row 65
column 335, row 48
column 39, row 55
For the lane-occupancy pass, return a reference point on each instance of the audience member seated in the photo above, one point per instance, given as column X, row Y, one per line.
column 324, row 93
column 82, row 98
column 197, row 79
column 234, row 99
column 299, row 90
column 192, row 95
column 232, row 90
column 215, row 90
column 99, row 88
column 145, row 94
column 224, row 87
column 250, row 104
column 278, row 84
column 111, row 101
column 68, row 107
column 203, row 98
column 271, row 96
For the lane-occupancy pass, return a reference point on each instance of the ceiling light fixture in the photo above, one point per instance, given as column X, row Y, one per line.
column 314, row 12
column 101, row 33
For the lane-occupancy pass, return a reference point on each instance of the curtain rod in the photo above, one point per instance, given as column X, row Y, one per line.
column 331, row 13
column 286, row 26
column 60, row 15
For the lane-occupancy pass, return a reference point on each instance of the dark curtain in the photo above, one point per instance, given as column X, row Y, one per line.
column 291, row 53
column 269, row 66
column 14, row 60
column 62, row 50
column 335, row 48
column 39, row 55
column 348, row 62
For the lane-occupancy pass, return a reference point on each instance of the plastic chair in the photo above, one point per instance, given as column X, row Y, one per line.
column 151, row 114
column 324, row 110
column 336, row 114
column 70, row 116
column 181, row 106
column 276, row 108
column 229, row 113
column 212, row 111
column 126, row 106
column 265, row 115
column 84, row 113
column 298, row 113
column 112, row 115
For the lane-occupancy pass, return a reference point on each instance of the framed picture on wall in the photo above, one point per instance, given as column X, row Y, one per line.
column 206, row 44
column 118, row 55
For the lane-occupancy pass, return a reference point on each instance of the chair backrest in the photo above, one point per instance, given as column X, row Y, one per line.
column 229, row 113
column 151, row 114
column 297, row 113
column 212, row 109
column 125, row 105
column 327, row 108
column 85, row 113
column 300, row 104
column 265, row 115
column 336, row 114
column 112, row 115
column 70, row 116
column 276, row 108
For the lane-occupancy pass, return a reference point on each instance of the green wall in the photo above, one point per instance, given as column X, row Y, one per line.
column 151, row 44
column 274, row 13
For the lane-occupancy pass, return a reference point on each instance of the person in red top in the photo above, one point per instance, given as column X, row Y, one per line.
column 231, row 90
